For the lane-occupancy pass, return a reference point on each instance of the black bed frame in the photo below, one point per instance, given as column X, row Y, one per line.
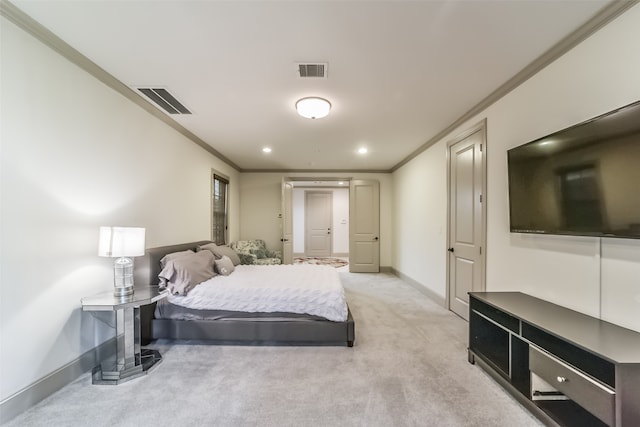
column 231, row 331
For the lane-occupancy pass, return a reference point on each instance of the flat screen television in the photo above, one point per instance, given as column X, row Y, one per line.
column 583, row 180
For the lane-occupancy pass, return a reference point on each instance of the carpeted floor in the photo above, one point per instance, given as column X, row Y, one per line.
column 408, row 368
column 333, row 262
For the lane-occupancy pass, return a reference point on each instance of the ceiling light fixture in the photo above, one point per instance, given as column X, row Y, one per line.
column 313, row 107
column 266, row 150
column 362, row 150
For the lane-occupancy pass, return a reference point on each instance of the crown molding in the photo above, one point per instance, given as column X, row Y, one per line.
column 602, row 18
column 37, row 30
column 312, row 171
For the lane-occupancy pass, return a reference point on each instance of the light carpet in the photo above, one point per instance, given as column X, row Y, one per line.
column 333, row 262
column 408, row 368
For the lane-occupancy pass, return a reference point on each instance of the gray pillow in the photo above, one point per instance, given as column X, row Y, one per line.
column 220, row 251
column 224, row 266
column 184, row 273
column 209, row 246
column 259, row 253
column 173, row 255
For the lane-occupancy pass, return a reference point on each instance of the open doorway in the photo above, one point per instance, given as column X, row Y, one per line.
column 320, row 215
column 319, row 220
column 363, row 220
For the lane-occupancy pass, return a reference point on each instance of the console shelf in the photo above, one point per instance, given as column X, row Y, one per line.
column 568, row 368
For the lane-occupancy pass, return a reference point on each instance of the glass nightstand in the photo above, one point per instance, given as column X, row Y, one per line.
column 130, row 360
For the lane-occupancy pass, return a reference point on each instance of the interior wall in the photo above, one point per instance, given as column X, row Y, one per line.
column 77, row 155
column 339, row 219
column 260, row 206
column 592, row 275
column 420, row 219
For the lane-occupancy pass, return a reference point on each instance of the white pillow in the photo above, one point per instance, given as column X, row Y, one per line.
column 224, row 266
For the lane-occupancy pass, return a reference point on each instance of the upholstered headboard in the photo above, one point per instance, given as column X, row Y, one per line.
column 147, row 268
column 145, row 273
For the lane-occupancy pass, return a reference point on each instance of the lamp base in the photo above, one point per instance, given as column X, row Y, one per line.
column 123, row 292
column 123, row 277
column 111, row 374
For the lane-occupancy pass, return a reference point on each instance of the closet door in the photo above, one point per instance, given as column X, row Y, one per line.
column 466, row 220
column 364, row 238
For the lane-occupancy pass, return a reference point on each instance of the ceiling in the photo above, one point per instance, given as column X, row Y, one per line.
column 399, row 72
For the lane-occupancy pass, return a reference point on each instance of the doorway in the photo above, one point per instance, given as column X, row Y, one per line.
column 466, row 218
column 337, row 218
column 360, row 207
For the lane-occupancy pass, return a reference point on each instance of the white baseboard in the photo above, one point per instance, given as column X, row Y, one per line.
column 420, row 287
column 46, row 386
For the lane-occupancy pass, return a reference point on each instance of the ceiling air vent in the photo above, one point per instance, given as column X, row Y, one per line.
column 315, row 70
column 164, row 100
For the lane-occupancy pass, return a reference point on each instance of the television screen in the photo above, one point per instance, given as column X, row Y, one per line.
column 583, row 180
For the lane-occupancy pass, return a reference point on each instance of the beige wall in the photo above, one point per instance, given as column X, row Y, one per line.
column 75, row 156
column 591, row 275
column 420, row 219
column 260, row 196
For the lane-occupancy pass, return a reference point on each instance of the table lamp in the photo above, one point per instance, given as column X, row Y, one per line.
column 121, row 243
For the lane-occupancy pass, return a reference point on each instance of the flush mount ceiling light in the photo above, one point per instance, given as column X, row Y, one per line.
column 313, row 107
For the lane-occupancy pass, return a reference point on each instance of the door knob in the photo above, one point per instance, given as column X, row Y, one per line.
column 375, row 238
column 450, row 250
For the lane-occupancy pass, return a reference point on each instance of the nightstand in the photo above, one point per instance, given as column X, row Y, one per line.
column 130, row 360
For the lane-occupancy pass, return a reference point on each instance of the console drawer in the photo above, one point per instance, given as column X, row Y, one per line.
column 588, row 393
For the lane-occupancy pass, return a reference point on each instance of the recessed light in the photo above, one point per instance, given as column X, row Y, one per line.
column 363, row 150
column 266, row 150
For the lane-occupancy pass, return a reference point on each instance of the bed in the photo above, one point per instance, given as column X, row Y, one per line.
column 232, row 326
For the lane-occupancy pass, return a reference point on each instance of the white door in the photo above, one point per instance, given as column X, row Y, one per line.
column 287, row 222
column 466, row 219
column 364, row 232
column 318, row 218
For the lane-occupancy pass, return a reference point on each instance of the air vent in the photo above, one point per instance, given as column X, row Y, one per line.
column 165, row 100
column 316, row 70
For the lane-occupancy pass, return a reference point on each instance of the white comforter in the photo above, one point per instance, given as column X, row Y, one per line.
column 302, row 288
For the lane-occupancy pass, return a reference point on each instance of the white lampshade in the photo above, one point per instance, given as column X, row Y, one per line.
column 313, row 107
column 121, row 241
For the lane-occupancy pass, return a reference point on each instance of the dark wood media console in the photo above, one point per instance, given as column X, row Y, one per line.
column 568, row 368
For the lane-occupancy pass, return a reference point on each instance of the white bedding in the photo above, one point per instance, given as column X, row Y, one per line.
column 300, row 288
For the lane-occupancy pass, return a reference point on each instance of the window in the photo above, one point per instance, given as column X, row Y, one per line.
column 219, row 202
